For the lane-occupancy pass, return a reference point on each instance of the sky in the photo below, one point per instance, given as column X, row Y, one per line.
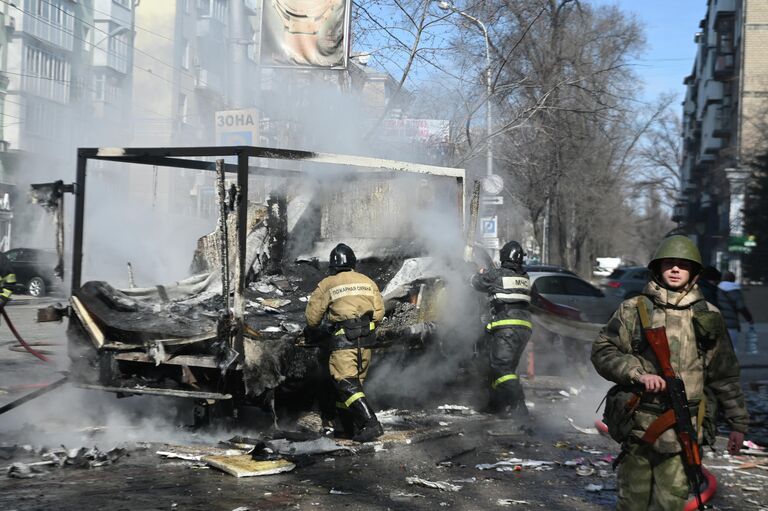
column 670, row 26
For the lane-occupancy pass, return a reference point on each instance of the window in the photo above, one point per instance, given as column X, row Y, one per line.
column 104, row 89
column 45, row 74
column 183, row 108
column 577, row 287
column 216, row 9
column 87, row 39
column 185, row 54
column 52, row 21
column 119, row 52
column 550, row 285
column 124, row 3
column 13, row 254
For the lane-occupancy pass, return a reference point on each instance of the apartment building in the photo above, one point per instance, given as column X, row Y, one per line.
column 64, row 67
column 727, row 93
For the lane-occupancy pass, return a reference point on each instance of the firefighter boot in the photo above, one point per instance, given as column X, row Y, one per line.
column 508, row 400
column 366, row 425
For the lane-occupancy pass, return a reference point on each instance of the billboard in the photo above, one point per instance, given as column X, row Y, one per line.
column 426, row 131
column 305, row 33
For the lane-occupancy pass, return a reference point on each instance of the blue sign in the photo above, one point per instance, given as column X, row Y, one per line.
column 489, row 226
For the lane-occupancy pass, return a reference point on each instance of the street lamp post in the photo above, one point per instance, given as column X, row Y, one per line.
column 448, row 6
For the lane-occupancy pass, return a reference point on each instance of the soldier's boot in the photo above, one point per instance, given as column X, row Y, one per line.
column 365, row 424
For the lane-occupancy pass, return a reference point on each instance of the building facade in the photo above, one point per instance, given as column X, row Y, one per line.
column 723, row 113
column 64, row 70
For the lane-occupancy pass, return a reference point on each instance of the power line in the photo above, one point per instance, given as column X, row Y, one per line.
column 149, row 71
column 171, row 66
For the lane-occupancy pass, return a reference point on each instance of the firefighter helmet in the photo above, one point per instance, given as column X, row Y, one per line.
column 513, row 253
column 342, row 258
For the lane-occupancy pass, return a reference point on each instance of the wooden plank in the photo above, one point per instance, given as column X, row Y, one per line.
column 192, row 394
column 208, row 361
column 246, row 466
column 97, row 336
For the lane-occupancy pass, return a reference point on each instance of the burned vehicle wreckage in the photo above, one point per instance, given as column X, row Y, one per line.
column 229, row 342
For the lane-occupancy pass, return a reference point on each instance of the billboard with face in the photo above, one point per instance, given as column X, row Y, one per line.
column 306, row 33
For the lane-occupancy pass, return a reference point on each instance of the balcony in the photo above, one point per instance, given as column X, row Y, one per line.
column 724, row 8
column 49, row 32
column 205, row 81
column 724, row 67
column 723, row 125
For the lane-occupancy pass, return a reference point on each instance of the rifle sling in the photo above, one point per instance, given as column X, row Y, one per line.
column 667, row 419
column 662, row 423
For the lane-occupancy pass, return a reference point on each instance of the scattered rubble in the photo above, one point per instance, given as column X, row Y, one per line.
column 245, row 466
column 437, row 485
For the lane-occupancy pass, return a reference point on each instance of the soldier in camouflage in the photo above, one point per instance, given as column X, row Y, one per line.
column 651, row 475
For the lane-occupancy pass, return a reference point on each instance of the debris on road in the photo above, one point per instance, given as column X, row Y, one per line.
column 245, row 466
column 322, row 445
column 437, row 485
column 196, row 452
column 593, row 488
column 515, row 464
column 512, row 502
column 586, row 431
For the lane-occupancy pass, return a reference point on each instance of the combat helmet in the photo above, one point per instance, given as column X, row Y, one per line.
column 677, row 247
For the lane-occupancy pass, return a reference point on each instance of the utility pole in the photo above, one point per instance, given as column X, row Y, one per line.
column 238, row 54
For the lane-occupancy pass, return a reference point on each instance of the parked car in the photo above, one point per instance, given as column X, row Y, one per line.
column 549, row 268
column 627, row 281
column 34, row 269
column 582, row 300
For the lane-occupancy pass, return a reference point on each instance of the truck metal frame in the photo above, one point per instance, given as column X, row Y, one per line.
column 195, row 158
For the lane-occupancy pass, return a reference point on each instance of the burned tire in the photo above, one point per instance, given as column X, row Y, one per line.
column 36, row 287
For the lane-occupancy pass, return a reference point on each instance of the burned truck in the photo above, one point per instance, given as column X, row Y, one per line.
column 231, row 334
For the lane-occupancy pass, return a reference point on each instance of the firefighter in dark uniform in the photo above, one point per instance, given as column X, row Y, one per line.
column 7, row 279
column 351, row 304
column 509, row 328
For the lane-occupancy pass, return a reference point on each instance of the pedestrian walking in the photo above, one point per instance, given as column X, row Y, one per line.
column 730, row 299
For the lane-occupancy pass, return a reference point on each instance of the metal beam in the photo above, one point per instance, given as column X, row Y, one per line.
column 77, row 241
column 242, row 236
column 157, row 392
column 377, row 164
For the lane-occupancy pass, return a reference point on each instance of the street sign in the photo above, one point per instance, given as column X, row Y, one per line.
column 489, row 226
column 493, row 200
column 493, row 184
column 491, row 243
column 237, row 127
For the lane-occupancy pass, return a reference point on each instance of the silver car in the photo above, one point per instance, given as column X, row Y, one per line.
column 572, row 297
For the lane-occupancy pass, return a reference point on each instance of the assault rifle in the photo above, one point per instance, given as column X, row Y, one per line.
column 679, row 415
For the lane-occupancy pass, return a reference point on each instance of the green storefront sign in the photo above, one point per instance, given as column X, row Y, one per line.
column 742, row 244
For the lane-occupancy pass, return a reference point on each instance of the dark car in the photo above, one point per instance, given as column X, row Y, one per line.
column 34, row 269
column 627, row 281
column 546, row 268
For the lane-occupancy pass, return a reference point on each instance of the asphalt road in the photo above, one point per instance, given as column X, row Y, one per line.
column 375, row 479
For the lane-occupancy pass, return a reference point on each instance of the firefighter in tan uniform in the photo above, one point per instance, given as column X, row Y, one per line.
column 352, row 304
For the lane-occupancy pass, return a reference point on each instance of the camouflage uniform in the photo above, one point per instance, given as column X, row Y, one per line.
column 652, row 476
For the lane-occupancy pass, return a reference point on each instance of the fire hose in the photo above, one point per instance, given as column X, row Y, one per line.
column 23, row 343
column 691, row 505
